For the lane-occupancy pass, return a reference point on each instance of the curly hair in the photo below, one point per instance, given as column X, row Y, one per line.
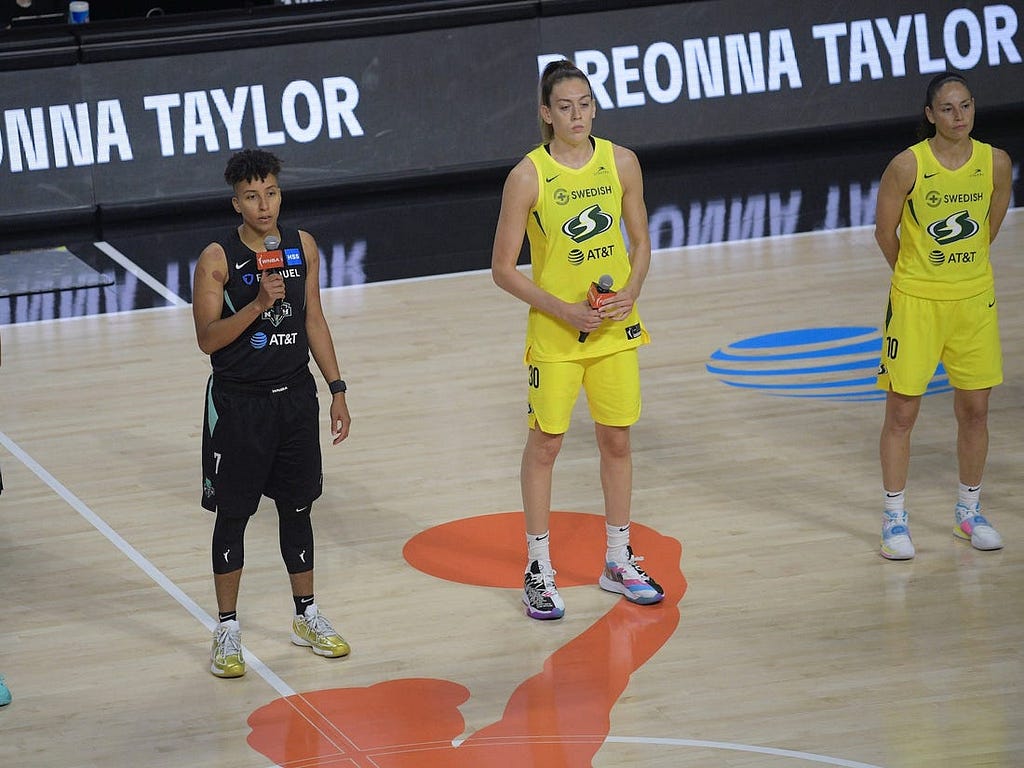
column 250, row 164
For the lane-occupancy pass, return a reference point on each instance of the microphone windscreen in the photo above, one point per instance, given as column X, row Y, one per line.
column 604, row 282
column 270, row 243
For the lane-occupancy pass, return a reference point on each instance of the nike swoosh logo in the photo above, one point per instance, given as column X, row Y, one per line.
column 548, row 181
column 302, row 509
column 929, row 175
column 992, row 304
column 239, row 266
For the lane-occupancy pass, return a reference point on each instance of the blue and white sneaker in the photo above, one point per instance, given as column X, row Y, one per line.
column 540, row 595
column 896, row 543
column 972, row 526
column 629, row 579
column 5, row 693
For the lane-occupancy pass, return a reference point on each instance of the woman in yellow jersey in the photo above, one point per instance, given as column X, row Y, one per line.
column 940, row 205
column 570, row 197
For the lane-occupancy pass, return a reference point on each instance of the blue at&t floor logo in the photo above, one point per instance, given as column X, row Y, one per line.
column 839, row 363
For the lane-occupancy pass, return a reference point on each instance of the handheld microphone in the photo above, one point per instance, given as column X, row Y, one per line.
column 271, row 258
column 598, row 294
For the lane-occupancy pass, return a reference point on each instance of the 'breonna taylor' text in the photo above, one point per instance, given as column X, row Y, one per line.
column 667, row 71
column 63, row 135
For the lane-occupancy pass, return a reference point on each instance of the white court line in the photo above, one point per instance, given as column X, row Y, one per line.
column 807, row 756
column 701, row 744
column 186, row 602
column 140, row 273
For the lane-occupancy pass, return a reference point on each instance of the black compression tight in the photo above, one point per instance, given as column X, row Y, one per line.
column 295, row 531
column 228, row 543
column 296, row 535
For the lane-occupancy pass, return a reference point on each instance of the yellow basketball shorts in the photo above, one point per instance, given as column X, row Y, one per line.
column 612, row 385
column 962, row 334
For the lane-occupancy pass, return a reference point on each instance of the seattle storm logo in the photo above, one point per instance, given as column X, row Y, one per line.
column 956, row 226
column 588, row 223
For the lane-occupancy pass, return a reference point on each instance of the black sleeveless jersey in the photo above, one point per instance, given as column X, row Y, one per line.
column 275, row 347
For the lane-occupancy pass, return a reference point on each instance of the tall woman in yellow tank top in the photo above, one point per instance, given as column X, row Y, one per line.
column 569, row 196
column 940, row 204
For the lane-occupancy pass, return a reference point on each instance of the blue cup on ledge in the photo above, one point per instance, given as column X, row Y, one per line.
column 78, row 13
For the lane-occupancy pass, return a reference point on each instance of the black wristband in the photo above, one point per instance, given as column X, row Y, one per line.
column 337, row 386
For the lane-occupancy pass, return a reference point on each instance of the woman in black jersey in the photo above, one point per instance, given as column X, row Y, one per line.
column 256, row 306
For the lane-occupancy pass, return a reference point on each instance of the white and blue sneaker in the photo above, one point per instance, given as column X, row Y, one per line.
column 5, row 693
column 630, row 580
column 540, row 595
column 972, row 526
column 896, row 543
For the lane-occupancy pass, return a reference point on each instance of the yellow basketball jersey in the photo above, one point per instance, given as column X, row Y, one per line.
column 575, row 235
column 944, row 230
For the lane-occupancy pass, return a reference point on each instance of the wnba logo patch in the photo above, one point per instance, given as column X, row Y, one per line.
column 839, row 363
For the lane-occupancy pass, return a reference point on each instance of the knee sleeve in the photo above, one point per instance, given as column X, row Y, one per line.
column 296, row 534
column 228, row 546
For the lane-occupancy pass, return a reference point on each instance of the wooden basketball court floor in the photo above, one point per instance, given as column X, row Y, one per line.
column 785, row 640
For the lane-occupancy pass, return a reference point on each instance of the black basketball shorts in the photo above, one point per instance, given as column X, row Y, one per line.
column 261, row 442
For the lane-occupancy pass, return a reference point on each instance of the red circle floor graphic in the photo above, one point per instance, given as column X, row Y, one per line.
column 558, row 718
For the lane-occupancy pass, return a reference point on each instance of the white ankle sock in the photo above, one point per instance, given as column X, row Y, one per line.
column 618, row 540
column 968, row 496
column 894, row 501
column 538, row 547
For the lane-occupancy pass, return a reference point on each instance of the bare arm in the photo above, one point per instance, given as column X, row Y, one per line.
column 897, row 181
column 518, row 197
column 212, row 331
column 321, row 345
column 1002, row 181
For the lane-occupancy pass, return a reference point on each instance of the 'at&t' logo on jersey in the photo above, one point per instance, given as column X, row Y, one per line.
column 577, row 255
column 588, row 223
column 260, row 340
column 956, row 226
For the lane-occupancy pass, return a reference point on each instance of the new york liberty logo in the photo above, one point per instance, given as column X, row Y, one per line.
column 588, row 223
column 956, row 226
